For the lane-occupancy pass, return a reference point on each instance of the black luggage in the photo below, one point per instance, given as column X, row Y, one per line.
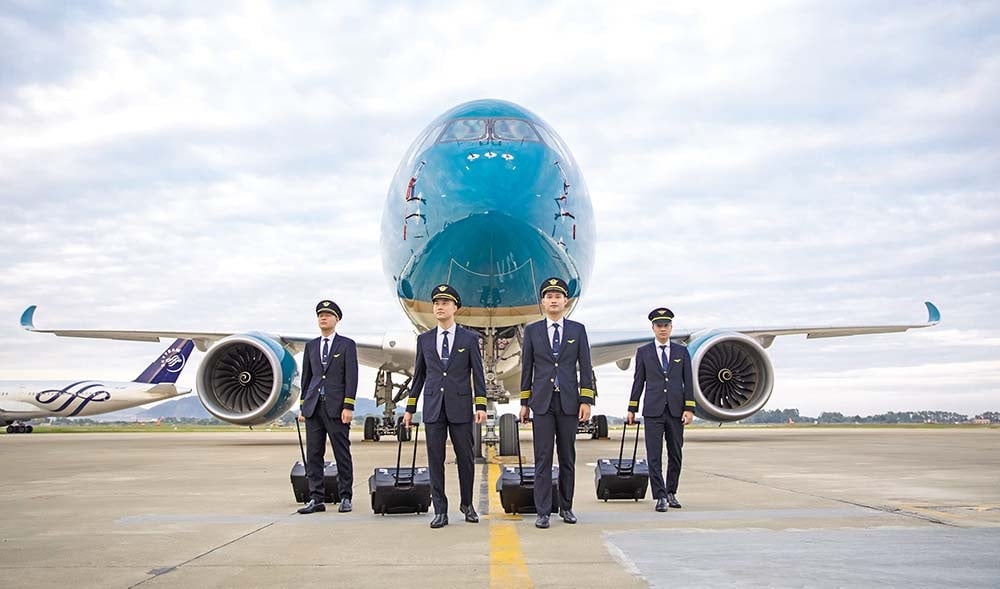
column 400, row 489
column 622, row 479
column 300, row 484
column 516, row 485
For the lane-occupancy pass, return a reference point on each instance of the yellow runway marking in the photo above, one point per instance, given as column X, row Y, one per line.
column 507, row 566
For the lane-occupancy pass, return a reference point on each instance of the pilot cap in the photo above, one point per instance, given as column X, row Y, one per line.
column 328, row 306
column 661, row 314
column 446, row 291
column 556, row 284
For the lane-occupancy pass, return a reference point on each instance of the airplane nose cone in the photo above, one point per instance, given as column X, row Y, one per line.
column 495, row 262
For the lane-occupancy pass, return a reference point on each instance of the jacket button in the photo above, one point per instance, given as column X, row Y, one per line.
column 442, row 389
column 552, row 380
column 324, row 377
column 557, row 365
column 444, row 374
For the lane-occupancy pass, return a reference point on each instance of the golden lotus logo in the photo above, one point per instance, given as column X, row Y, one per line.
column 553, row 282
column 442, row 288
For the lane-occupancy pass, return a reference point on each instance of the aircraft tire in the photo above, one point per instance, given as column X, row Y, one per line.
column 508, row 435
column 477, row 440
column 602, row 427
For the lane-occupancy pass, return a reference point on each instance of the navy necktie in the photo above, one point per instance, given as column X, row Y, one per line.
column 663, row 359
column 445, row 353
column 326, row 350
column 555, row 352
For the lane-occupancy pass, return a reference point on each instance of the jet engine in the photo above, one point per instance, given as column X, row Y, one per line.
column 248, row 379
column 733, row 376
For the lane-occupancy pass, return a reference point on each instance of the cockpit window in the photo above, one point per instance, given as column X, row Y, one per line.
column 465, row 130
column 553, row 141
column 513, row 130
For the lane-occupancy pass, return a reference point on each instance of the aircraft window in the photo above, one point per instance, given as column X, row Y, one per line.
column 554, row 142
column 513, row 130
column 465, row 130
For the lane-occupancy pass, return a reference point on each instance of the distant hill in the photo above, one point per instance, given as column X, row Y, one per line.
column 186, row 406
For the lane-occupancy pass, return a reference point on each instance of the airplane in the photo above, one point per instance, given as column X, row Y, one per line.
column 23, row 400
column 489, row 199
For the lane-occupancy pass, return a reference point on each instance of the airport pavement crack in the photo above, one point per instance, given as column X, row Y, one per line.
column 164, row 570
column 882, row 508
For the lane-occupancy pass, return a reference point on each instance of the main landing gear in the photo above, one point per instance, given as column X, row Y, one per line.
column 19, row 428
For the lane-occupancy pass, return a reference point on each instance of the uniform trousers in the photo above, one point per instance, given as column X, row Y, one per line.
column 554, row 423
column 669, row 428
column 461, row 441
column 318, row 427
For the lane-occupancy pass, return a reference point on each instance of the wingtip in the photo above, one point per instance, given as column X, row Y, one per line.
column 28, row 318
column 933, row 315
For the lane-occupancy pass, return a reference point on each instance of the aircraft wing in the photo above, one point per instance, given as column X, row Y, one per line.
column 370, row 352
column 619, row 346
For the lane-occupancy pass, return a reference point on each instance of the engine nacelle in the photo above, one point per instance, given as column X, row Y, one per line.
column 733, row 376
column 248, row 379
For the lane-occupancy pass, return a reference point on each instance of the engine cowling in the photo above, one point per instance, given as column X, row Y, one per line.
column 733, row 375
column 248, row 379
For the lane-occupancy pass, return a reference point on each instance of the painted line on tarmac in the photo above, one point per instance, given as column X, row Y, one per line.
column 507, row 565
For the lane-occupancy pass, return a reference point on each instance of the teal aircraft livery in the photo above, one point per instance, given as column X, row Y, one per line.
column 489, row 199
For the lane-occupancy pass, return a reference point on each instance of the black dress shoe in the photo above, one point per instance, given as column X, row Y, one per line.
column 542, row 521
column 661, row 504
column 672, row 501
column 345, row 505
column 440, row 520
column 567, row 516
column 470, row 513
column 312, row 507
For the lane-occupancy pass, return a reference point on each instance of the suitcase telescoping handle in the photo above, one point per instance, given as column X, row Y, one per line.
column 631, row 468
column 520, row 464
column 402, row 481
column 298, row 428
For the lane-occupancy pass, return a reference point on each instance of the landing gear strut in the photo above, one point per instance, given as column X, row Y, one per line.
column 388, row 424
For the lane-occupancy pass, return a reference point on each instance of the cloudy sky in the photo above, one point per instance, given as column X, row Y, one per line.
column 224, row 166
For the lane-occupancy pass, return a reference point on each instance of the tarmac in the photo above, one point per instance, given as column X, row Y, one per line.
column 763, row 507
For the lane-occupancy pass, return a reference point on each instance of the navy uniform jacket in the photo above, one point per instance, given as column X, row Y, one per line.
column 539, row 368
column 674, row 391
column 454, row 382
column 339, row 380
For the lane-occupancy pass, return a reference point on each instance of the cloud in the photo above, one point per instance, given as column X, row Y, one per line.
column 223, row 167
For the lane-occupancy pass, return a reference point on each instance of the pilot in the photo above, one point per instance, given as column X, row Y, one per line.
column 447, row 368
column 553, row 349
column 663, row 369
column 329, row 386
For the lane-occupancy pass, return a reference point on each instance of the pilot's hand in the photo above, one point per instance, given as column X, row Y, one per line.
column 631, row 418
column 480, row 417
column 302, row 418
column 407, row 418
column 687, row 417
column 346, row 416
column 525, row 413
column 584, row 412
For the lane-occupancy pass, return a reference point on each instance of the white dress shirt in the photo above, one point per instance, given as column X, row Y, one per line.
column 451, row 340
column 552, row 332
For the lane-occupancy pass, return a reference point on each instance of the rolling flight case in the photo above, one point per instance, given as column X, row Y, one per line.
column 622, row 479
column 517, row 485
column 300, row 484
column 400, row 489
